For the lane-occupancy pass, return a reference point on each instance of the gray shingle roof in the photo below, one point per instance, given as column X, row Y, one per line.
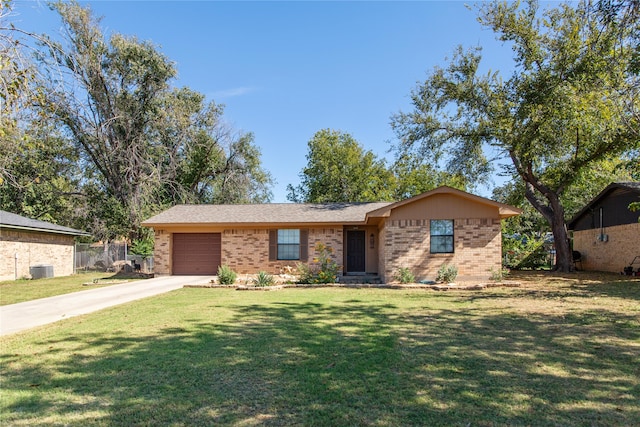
column 11, row 220
column 295, row 213
column 271, row 213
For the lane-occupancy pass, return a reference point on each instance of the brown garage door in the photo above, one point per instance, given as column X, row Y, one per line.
column 196, row 253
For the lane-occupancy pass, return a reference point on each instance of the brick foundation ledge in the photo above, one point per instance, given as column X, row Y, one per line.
column 434, row 286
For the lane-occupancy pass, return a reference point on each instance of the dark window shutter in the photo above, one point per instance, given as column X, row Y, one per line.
column 273, row 245
column 304, row 245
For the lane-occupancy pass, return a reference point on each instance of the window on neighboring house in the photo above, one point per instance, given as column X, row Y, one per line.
column 441, row 236
column 288, row 244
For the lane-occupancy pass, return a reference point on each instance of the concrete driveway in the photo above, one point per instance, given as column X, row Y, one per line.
column 19, row 317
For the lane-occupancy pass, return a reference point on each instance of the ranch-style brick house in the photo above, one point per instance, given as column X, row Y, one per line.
column 442, row 226
column 26, row 243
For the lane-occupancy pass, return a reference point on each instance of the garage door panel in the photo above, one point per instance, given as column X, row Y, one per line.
column 196, row 253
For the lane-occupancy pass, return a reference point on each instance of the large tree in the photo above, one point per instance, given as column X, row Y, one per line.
column 17, row 71
column 339, row 169
column 17, row 75
column 37, row 165
column 205, row 160
column 414, row 176
column 586, row 186
column 142, row 143
column 40, row 176
column 565, row 107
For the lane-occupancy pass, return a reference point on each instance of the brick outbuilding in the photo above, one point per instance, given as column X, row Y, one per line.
column 442, row 226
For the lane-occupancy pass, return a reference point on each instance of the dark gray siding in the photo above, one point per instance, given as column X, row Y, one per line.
column 612, row 207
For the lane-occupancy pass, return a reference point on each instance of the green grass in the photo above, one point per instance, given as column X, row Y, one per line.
column 560, row 350
column 14, row 291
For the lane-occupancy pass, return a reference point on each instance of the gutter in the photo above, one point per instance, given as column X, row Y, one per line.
column 44, row 230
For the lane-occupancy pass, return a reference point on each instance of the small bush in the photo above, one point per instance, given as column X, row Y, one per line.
column 405, row 275
column 226, row 275
column 328, row 268
column 323, row 270
column 498, row 275
column 447, row 273
column 263, row 279
column 305, row 275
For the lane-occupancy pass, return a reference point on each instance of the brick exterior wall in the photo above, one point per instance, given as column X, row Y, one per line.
column 34, row 248
column 246, row 251
column 162, row 253
column 332, row 238
column 406, row 243
column 613, row 255
column 382, row 260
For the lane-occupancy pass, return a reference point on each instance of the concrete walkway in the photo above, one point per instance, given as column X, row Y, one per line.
column 25, row 315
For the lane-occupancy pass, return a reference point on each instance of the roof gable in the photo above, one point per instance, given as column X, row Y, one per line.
column 14, row 221
column 630, row 188
column 504, row 210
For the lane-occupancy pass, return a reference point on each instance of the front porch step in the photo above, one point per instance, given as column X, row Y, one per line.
column 360, row 279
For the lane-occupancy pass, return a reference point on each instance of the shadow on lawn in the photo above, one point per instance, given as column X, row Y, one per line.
column 581, row 284
column 353, row 363
column 606, row 284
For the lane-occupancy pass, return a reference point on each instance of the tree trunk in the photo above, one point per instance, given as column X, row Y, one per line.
column 564, row 258
column 553, row 212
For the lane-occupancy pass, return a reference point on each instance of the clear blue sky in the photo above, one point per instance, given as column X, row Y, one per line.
column 285, row 70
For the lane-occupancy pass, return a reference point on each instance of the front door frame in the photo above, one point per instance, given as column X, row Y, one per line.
column 356, row 257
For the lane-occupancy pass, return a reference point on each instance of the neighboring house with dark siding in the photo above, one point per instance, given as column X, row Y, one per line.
column 422, row 233
column 606, row 232
column 26, row 243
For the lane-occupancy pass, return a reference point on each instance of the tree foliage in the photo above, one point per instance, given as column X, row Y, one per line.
column 413, row 176
column 16, row 69
column 587, row 185
column 37, row 165
column 206, row 161
column 568, row 105
column 339, row 169
column 17, row 75
column 139, row 143
column 40, row 175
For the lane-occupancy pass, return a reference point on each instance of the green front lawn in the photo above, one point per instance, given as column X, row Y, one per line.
column 14, row 291
column 559, row 350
